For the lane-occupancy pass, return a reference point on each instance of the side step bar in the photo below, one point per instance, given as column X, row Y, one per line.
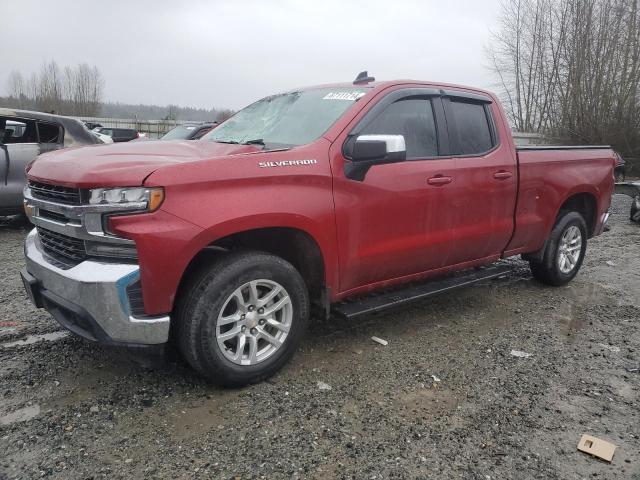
column 376, row 303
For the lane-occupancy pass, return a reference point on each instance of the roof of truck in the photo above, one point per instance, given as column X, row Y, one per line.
column 381, row 85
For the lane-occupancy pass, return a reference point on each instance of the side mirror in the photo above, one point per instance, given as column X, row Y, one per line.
column 370, row 150
column 379, row 148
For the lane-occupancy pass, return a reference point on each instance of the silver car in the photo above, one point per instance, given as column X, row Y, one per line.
column 23, row 136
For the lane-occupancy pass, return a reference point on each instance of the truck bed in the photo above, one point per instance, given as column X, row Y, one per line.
column 548, row 176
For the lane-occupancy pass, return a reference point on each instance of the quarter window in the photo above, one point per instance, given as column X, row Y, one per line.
column 413, row 118
column 474, row 131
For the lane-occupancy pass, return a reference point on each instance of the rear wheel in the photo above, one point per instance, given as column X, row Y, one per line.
column 564, row 252
column 242, row 317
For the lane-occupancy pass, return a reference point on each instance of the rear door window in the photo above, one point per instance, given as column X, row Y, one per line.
column 49, row 133
column 472, row 127
column 412, row 118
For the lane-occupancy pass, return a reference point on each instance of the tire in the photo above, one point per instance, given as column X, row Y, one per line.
column 214, row 291
column 553, row 270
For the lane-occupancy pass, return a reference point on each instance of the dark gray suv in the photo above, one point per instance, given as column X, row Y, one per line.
column 23, row 136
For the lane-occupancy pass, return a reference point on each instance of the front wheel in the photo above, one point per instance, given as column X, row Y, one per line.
column 564, row 252
column 242, row 317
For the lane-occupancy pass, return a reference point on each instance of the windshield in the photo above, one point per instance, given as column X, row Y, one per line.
column 179, row 132
column 288, row 119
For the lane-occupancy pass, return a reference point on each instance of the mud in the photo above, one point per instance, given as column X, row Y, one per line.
column 72, row 410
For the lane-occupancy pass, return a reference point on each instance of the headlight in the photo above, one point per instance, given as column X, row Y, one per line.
column 140, row 198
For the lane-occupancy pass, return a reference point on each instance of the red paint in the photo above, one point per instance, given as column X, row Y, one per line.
column 405, row 221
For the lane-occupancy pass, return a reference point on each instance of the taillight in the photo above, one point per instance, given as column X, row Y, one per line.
column 137, row 134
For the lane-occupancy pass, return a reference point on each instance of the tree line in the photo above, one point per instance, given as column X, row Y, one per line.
column 570, row 69
column 78, row 91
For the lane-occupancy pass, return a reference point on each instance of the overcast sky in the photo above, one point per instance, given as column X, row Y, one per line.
column 227, row 53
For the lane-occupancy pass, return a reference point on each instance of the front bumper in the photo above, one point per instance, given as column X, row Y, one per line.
column 90, row 299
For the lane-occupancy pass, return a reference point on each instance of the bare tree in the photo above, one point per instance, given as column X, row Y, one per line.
column 571, row 69
column 83, row 90
column 17, row 87
column 49, row 88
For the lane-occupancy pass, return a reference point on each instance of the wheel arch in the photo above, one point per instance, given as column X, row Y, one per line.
column 292, row 243
column 584, row 202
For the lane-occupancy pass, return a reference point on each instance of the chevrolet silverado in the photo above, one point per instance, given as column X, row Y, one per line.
column 314, row 198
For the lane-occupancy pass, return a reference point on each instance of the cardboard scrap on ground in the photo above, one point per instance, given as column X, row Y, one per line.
column 597, row 447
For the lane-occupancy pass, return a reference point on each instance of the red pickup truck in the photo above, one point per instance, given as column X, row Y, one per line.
column 302, row 199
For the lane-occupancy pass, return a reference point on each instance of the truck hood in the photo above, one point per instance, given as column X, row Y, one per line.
column 123, row 164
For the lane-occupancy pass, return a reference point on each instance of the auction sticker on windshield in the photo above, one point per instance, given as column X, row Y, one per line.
column 350, row 96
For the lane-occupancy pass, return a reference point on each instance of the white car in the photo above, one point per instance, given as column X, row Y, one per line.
column 102, row 137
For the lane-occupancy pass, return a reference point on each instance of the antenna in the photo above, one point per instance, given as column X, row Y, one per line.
column 363, row 77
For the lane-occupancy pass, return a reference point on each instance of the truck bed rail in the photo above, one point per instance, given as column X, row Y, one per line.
column 563, row 147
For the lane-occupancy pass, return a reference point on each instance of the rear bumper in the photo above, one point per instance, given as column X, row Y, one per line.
column 90, row 299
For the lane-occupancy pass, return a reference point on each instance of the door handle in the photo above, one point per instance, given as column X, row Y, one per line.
column 502, row 175
column 439, row 180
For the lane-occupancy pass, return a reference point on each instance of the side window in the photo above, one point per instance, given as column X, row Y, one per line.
column 474, row 131
column 17, row 130
column 49, row 133
column 413, row 118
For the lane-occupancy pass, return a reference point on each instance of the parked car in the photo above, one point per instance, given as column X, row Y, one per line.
column 92, row 125
column 189, row 131
column 303, row 199
column 23, row 136
column 119, row 134
column 632, row 189
column 102, row 137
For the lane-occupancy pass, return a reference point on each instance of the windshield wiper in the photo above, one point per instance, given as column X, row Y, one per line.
column 227, row 141
column 257, row 141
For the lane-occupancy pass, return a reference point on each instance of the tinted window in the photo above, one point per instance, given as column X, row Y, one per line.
column 474, row 133
column 412, row 118
column 49, row 133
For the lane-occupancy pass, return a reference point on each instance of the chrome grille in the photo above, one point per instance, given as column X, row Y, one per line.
column 61, row 246
column 55, row 193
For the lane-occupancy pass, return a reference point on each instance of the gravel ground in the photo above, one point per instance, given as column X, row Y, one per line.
column 71, row 410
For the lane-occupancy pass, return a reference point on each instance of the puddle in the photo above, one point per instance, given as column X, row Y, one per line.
column 20, row 415
column 46, row 337
column 184, row 421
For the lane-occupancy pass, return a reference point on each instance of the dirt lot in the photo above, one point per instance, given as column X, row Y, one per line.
column 71, row 410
